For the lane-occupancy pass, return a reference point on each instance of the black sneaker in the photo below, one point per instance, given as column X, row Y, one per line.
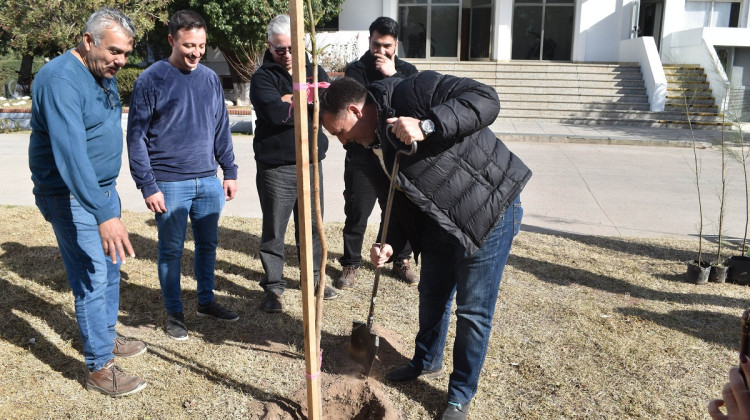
column 330, row 293
column 271, row 303
column 409, row 372
column 455, row 411
column 217, row 311
column 176, row 328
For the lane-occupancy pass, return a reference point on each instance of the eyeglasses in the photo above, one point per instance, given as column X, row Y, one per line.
column 281, row 51
column 110, row 97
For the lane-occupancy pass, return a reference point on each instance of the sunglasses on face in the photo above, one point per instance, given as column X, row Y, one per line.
column 281, row 51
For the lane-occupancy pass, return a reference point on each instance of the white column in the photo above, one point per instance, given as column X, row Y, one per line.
column 502, row 39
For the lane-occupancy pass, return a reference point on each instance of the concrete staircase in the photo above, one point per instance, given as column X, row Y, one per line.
column 580, row 93
column 689, row 95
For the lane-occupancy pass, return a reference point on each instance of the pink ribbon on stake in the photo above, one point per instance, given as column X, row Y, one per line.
column 320, row 364
column 310, row 88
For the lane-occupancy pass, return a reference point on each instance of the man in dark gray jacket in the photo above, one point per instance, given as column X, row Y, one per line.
column 271, row 91
column 459, row 207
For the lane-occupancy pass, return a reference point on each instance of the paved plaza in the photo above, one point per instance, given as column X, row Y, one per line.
column 609, row 181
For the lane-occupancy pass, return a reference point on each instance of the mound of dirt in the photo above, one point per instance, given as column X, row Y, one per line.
column 346, row 393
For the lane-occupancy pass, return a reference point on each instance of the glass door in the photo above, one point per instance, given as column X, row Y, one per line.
column 650, row 19
column 543, row 30
column 429, row 28
column 480, row 28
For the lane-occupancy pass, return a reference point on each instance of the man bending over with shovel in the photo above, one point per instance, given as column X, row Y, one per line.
column 458, row 205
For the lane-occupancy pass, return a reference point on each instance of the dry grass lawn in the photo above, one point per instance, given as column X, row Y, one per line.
column 586, row 327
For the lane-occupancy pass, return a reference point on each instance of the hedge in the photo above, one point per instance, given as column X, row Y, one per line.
column 126, row 81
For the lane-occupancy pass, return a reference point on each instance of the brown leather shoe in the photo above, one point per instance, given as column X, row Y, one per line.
column 348, row 276
column 111, row 380
column 128, row 348
column 404, row 272
column 271, row 303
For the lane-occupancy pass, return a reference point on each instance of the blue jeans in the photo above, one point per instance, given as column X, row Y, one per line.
column 474, row 279
column 201, row 199
column 277, row 192
column 94, row 280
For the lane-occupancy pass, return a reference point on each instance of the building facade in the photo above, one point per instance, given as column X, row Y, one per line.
column 710, row 33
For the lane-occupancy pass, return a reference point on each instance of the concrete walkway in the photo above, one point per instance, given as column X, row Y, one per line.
column 587, row 180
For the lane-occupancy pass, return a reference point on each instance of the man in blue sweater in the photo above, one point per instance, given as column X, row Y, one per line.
column 178, row 134
column 75, row 154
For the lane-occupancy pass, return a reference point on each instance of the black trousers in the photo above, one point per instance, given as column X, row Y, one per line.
column 364, row 183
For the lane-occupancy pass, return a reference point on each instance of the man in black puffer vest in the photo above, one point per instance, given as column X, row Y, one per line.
column 273, row 144
column 459, row 206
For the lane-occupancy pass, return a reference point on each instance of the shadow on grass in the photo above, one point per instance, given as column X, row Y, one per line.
column 636, row 248
column 141, row 305
column 563, row 276
column 233, row 240
column 291, row 407
column 17, row 331
column 711, row 327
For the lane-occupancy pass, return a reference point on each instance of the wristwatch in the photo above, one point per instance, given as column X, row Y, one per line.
column 427, row 127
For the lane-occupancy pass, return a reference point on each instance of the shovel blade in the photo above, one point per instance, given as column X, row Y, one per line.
column 363, row 346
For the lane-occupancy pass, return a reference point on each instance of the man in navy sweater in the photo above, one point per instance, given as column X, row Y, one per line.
column 178, row 134
column 273, row 144
column 75, row 154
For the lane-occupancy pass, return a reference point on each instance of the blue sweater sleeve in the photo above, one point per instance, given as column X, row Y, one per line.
column 61, row 103
column 139, row 120
column 223, row 147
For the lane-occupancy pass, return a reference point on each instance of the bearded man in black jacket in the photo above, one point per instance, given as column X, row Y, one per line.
column 458, row 205
column 273, row 144
column 378, row 63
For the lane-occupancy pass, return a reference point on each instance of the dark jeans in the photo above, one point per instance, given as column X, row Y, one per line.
column 359, row 199
column 475, row 280
column 277, row 193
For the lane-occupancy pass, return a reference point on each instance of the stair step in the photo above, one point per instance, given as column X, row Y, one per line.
column 518, row 104
column 695, row 100
column 514, row 75
column 609, row 114
column 677, row 78
column 610, row 121
column 573, row 98
column 525, row 90
column 555, row 83
column 693, row 107
column 590, row 94
column 688, row 87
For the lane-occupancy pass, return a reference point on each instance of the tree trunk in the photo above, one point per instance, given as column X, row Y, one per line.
column 242, row 65
column 24, row 75
column 242, row 93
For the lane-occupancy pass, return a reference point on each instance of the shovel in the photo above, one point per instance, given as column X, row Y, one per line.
column 363, row 344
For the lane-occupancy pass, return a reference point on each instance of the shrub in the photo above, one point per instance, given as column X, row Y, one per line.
column 8, row 126
column 125, row 83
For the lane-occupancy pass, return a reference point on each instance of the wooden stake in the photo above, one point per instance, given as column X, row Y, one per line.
column 302, row 144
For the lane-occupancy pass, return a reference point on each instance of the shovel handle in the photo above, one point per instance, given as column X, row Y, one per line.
column 386, row 222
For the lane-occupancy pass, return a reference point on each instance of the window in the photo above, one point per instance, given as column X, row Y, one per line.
column 330, row 26
column 716, row 13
